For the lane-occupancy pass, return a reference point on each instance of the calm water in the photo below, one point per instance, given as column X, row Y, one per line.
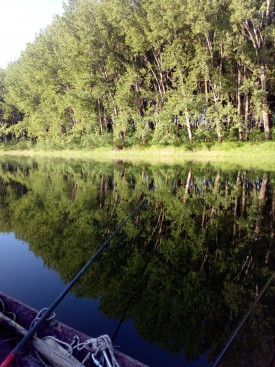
column 174, row 284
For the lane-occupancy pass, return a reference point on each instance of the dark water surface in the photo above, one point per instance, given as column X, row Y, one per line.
column 178, row 278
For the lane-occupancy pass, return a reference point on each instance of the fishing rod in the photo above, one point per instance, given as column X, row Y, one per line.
column 56, row 302
column 243, row 320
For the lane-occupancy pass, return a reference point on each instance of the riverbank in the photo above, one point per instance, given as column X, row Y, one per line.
column 245, row 155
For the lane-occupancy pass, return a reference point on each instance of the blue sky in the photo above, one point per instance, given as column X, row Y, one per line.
column 20, row 21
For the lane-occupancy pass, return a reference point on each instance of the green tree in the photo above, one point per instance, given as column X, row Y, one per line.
column 253, row 19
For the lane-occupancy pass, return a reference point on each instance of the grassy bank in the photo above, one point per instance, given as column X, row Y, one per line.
column 244, row 155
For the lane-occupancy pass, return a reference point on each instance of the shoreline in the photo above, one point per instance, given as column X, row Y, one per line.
column 247, row 156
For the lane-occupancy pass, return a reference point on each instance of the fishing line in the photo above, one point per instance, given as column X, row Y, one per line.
column 138, row 287
column 139, row 283
column 243, row 320
column 55, row 303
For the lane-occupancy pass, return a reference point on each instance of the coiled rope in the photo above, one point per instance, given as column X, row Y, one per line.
column 8, row 360
column 96, row 348
column 39, row 315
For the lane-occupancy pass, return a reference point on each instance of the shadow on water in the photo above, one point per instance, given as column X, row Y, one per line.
column 184, row 270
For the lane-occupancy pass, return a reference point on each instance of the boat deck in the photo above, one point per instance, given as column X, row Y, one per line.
column 8, row 341
column 24, row 317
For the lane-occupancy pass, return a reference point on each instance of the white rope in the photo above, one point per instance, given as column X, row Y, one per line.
column 7, row 312
column 88, row 356
column 8, row 340
column 103, row 344
column 97, row 348
column 96, row 362
column 39, row 315
column 13, row 316
column 3, row 305
column 69, row 350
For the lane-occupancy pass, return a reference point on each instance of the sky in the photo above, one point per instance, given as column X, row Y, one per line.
column 20, row 21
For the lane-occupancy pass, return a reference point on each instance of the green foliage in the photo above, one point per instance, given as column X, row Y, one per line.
column 127, row 73
column 190, row 261
column 256, row 135
column 193, row 257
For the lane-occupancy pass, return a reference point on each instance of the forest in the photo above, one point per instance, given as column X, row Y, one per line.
column 136, row 72
column 184, row 269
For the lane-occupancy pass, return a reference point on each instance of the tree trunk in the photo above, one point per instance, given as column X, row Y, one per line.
column 188, row 125
column 240, row 103
column 218, row 124
column 272, row 229
column 236, row 205
column 246, row 115
column 215, row 191
column 265, row 114
column 219, row 134
column 206, row 92
column 243, row 194
column 257, row 123
column 261, row 203
column 188, row 184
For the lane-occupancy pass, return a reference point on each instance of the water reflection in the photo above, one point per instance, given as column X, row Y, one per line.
column 185, row 269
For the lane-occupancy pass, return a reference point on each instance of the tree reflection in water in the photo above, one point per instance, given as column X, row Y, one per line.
column 185, row 269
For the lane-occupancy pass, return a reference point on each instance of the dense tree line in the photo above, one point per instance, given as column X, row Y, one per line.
column 133, row 71
column 185, row 268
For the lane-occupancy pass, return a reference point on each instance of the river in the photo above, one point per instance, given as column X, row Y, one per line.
column 176, row 280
